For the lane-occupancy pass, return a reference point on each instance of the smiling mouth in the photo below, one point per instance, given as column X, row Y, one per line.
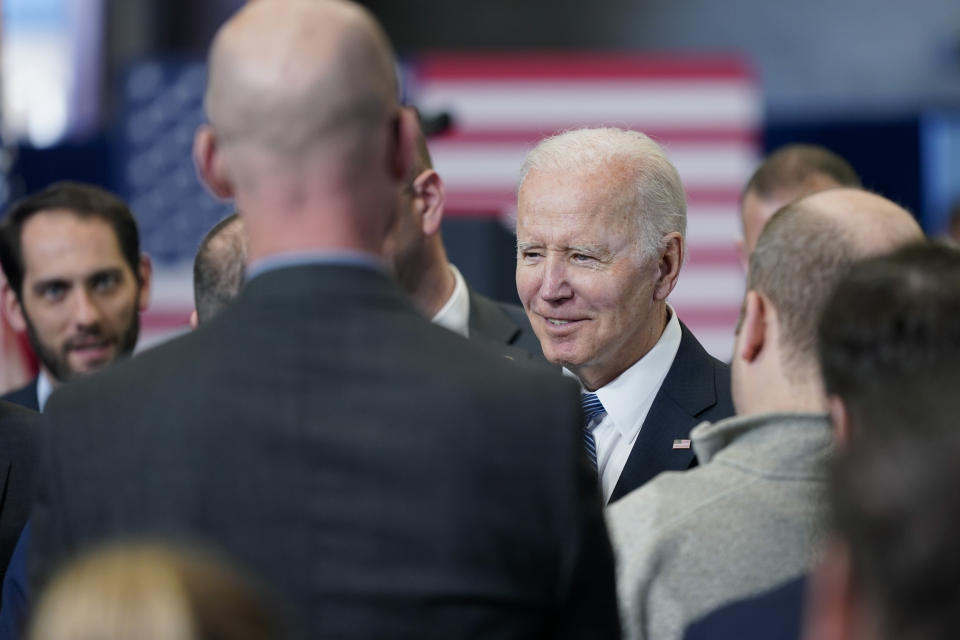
column 561, row 323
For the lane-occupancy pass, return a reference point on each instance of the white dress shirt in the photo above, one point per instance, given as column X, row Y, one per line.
column 44, row 389
column 627, row 400
column 455, row 312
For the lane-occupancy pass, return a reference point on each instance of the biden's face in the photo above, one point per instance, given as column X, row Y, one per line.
column 582, row 276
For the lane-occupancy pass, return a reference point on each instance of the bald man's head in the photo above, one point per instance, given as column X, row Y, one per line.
column 808, row 245
column 873, row 223
column 287, row 76
column 306, row 134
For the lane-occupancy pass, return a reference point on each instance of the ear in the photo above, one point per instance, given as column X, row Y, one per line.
column 11, row 306
column 831, row 611
column 403, row 144
column 146, row 274
column 669, row 267
column 840, row 417
column 194, row 319
column 753, row 326
column 744, row 258
column 209, row 163
column 428, row 188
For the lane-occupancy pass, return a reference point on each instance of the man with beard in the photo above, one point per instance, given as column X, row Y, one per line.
column 76, row 282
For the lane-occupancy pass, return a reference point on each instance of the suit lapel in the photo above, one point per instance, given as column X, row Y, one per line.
column 489, row 321
column 688, row 390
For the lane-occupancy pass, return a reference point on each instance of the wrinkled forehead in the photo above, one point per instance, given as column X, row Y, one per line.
column 578, row 198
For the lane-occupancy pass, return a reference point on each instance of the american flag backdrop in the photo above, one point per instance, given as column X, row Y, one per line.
column 706, row 112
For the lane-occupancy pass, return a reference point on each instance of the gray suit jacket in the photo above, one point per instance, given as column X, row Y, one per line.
column 385, row 477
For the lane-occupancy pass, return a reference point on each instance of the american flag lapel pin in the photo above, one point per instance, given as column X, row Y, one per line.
column 681, row 444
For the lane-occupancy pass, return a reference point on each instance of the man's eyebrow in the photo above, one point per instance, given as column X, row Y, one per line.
column 522, row 246
column 588, row 248
column 108, row 271
column 40, row 285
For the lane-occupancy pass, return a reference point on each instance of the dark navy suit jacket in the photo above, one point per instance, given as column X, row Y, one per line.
column 25, row 396
column 697, row 388
column 774, row 615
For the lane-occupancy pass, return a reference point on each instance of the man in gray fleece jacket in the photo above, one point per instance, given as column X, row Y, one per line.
column 749, row 517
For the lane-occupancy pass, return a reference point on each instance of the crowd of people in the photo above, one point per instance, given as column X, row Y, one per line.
column 353, row 443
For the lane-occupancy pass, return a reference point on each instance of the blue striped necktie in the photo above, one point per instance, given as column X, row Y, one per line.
column 591, row 409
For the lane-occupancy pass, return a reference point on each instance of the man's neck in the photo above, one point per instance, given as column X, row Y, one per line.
column 433, row 288
column 278, row 222
column 801, row 392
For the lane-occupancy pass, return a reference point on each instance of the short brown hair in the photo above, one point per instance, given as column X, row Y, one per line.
column 790, row 166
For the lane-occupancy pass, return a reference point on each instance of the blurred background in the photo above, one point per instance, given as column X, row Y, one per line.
column 108, row 91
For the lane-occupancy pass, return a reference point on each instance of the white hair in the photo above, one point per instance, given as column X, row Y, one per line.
column 661, row 204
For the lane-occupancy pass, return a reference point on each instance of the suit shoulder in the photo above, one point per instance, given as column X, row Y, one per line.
column 667, row 502
column 140, row 374
column 17, row 417
column 25, row 396
column 19, row 427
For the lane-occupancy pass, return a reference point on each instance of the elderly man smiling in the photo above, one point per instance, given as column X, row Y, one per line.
column 600, row 236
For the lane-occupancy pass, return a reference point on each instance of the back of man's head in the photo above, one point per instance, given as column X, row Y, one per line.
column 305, row 130
column 805, row 249
column 266, row 97
column 891, row 320
column 789, row 173
column 219, row 267
column 894, row 569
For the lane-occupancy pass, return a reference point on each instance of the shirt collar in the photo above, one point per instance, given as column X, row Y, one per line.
column 340, row 257
column 627, row 397
column 455, row 312
column 44, row 389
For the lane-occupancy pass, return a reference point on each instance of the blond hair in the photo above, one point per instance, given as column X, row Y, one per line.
column 149, row 592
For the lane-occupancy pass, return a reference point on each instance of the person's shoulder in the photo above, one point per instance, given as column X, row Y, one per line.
column 25, row 396
column 772, row 615
column 16, row 420
column 515, row 312
column 692, row 349
column 650, row 507
column 145, row 373
column 694, row 362
column 669, row 502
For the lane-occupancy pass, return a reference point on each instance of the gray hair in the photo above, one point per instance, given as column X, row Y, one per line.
column 661, row 205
